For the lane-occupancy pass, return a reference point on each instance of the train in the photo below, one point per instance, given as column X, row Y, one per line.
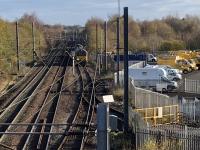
column 81, row 55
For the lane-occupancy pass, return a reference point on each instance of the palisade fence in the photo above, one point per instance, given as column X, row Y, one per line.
column 167, row 137
column 153, row 107
column 142, row 98
column 192, row 86
column 190, row 109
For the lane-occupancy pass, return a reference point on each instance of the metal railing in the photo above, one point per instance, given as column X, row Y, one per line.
column 142, row 98
column 168, row 137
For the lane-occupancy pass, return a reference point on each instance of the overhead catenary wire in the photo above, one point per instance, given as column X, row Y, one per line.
column 65, row 88
column 92, row 96
column 20, row 80
column 42, row 91
column 51, row 50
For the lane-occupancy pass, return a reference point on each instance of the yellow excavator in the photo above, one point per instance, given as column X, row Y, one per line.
column 176, row 62
column 193, row 58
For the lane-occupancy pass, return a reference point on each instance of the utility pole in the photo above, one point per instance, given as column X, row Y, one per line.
column 105, row 46
column 96, row 41
column 17, row 45
column 118, row 46
column 73, row 35
column 101, row 34
column 33, row 38
column 126, row 76
column 118, row 41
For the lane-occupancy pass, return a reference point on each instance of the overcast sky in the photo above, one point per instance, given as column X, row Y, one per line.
column 71, row 12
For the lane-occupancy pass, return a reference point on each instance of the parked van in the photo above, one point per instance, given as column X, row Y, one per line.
column 150, row 78
column 172, row 74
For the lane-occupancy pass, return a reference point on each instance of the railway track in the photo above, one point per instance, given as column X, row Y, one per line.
column 47, row 111
column 68, row 103
column 7, row 98
column 83, row 115
column 22, row 106
column 56, row 108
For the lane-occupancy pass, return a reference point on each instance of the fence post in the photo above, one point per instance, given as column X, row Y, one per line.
column 186, row 132
column 136, row 137
column 194, row 109
column 185, row 85
column 148, row 131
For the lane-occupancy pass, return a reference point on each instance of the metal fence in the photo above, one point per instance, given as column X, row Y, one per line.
column 168, row 137
column 192, row 86
column 142, row 98
column 190, row 109
column 154, row 107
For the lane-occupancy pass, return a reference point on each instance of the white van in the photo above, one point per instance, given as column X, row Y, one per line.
column 172, row 74
column 149, row 78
